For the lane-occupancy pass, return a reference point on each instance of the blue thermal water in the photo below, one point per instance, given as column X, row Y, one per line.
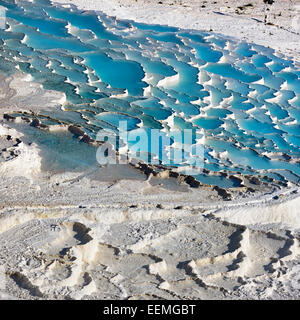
column 240, row 101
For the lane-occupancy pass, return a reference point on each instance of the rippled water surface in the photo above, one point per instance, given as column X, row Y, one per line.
column 241, row 100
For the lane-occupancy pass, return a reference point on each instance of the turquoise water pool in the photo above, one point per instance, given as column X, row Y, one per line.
column 240, row 100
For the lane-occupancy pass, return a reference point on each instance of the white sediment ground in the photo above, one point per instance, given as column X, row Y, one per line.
column 276, row 26
column 115, row 233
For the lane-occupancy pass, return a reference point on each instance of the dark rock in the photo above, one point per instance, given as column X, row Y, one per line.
column 86, row 139
column 223, row 193
column 35, row 123
column 8, row 117
column 255, row 180
column 192, row 182
column 76, row 131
